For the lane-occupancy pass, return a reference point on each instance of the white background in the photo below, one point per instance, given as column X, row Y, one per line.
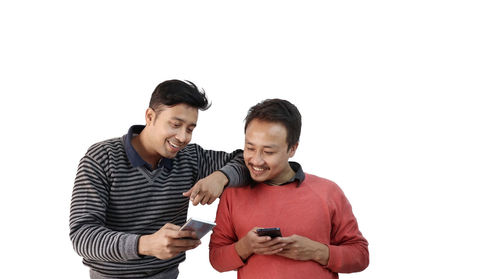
column 399, row 104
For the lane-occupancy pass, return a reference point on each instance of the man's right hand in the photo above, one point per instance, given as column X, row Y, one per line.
column 252, row 243
column 167, row 242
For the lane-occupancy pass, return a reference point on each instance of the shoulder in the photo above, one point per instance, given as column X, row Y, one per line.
column 314, row 179
column 232, row 193
column 190, row 152
column 320, row 183
column 191, row 148
column 194, row 150
column 110, row 148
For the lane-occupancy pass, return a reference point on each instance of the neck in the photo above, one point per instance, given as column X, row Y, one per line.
column 138, row 142
column 284, row 177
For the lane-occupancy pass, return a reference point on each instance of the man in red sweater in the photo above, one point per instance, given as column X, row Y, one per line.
column 320, row 235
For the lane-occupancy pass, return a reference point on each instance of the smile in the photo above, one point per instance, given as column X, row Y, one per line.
column 258, row 169
column 173, row 145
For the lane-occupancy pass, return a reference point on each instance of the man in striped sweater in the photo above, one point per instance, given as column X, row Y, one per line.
column 132, row 193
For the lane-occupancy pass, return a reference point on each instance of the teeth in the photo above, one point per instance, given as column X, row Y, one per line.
column 258, row 169
column 176, row 146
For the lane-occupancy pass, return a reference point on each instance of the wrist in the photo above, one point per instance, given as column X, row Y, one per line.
column 223, row 177
column 242, row 249
column 142, row 246
column 322, row 255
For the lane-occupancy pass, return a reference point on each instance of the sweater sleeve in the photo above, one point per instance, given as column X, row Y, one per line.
column 90, row 238
column 223, row 255
column 231, row 164
column 348, row 248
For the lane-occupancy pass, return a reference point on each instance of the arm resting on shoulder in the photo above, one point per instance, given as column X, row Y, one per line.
column 231, row 164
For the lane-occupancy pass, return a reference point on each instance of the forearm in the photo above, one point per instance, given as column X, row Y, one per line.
column 225, row 258
column 348, row 258
column 231, row 164
column 100, row 243
column 236, row 170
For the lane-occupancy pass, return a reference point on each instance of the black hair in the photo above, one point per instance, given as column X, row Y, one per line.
column 173, row 92
column 280, row 111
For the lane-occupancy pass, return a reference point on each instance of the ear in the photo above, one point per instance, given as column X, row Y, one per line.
column 292, row 150
column 150, row 116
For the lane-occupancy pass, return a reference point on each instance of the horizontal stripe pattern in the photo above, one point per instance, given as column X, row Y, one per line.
column 114, row 203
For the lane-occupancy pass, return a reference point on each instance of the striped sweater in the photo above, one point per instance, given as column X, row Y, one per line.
column 114, row 203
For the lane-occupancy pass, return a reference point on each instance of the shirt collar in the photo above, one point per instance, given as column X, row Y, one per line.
column 134, row 157
column 299, row 175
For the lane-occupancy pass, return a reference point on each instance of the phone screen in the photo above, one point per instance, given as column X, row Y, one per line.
column 272, row 232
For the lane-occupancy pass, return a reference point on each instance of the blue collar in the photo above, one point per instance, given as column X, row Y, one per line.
column 134, row 157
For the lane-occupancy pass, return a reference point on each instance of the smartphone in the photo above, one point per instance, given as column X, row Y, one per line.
column 272, row 232
column 200, row 227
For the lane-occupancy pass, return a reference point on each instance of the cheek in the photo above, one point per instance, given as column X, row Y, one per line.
column 188, row 138
column 277, row 163
column 166, row 133
column 247, row 155
column 272, row 164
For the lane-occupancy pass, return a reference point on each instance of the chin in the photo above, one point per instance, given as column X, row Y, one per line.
column 169, row 154
column 258, row 178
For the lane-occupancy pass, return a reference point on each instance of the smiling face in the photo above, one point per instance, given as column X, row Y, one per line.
column 168, row 130
column 266, row 152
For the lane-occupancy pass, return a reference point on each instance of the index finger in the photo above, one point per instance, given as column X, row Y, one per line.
column 188, row 193
column 185, row 234
column 194, row 190
column 196, row 199
column 170, row 226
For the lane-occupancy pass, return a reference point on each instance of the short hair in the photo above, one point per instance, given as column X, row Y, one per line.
column 279, row 111
column 173, row 92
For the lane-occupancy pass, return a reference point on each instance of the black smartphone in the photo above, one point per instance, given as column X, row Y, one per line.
column 272, row 232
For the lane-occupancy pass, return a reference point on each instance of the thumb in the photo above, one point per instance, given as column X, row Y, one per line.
column 170, row 226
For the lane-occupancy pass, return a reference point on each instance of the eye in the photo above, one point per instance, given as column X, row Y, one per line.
column 175, row 124
column 268, row 152
column 249, row 148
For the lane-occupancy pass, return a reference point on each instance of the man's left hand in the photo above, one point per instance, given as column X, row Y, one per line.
column 304, row 249
column 208, row 189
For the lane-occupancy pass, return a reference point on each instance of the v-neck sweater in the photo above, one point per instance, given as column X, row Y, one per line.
column 114, row 203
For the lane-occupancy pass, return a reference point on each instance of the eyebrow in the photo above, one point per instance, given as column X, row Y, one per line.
column 183, row 121
column 265, row 146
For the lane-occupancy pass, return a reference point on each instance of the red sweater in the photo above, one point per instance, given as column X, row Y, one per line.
column 317, row 209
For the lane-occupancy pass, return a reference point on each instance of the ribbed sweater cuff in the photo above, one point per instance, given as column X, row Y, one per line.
column 129, row 246
column 232, row 176
column 333, row 261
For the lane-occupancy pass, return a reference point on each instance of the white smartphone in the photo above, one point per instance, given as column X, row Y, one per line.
column 200, row 227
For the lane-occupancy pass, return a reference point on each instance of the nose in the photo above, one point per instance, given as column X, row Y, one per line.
column 181, row 136
column 256, row 159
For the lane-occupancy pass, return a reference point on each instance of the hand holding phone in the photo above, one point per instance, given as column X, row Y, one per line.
column 272, row 232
